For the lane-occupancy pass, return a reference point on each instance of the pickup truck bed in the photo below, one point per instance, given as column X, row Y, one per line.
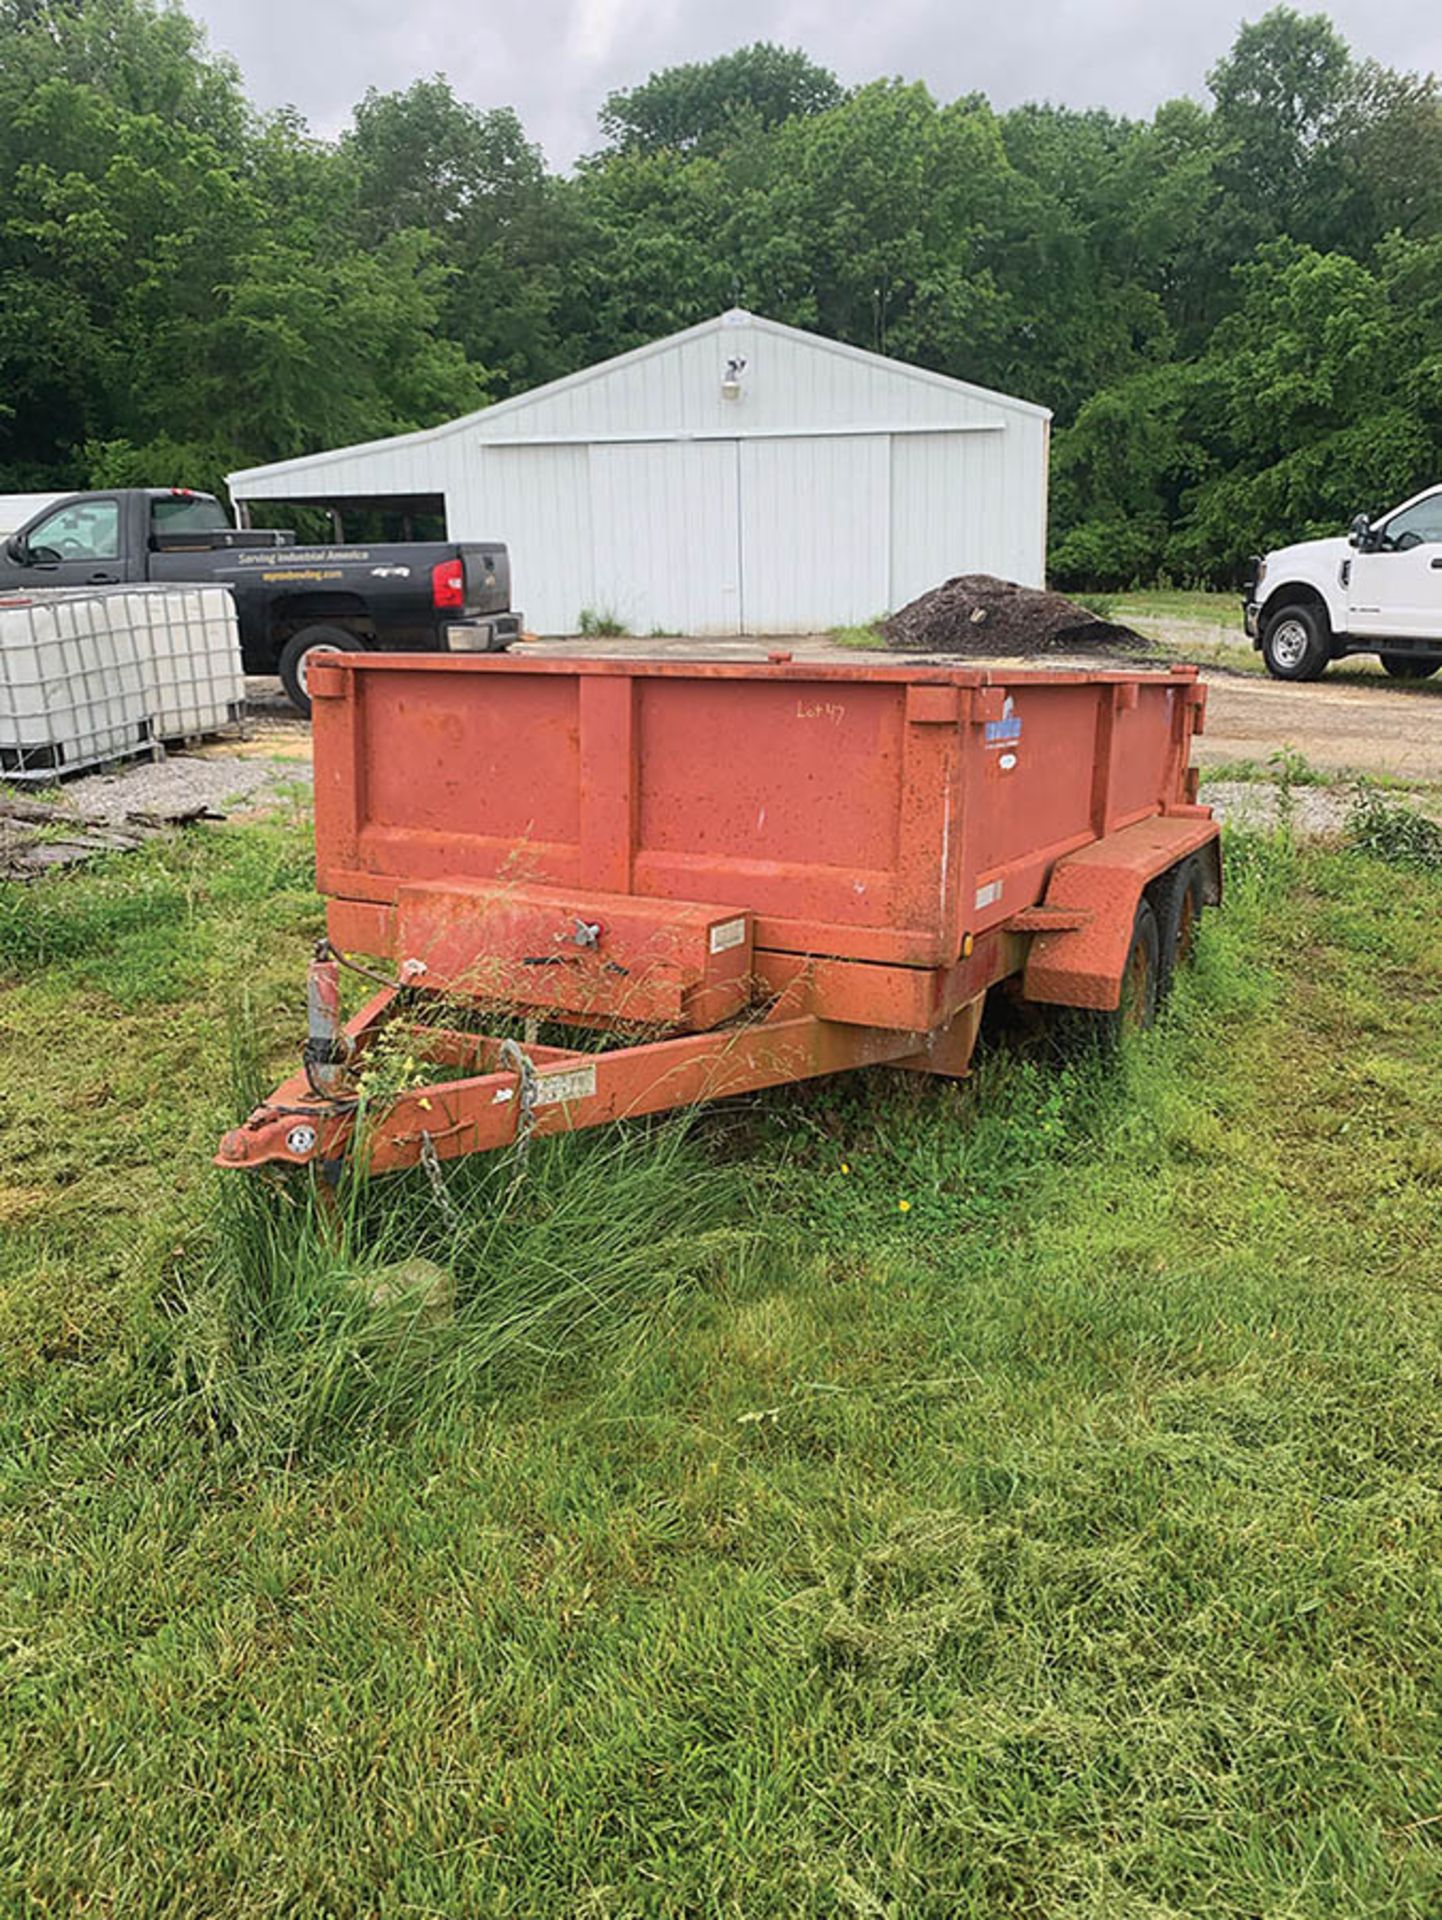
column 292, row 602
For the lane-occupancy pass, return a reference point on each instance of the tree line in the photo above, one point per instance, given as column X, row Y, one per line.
column 1233, row 306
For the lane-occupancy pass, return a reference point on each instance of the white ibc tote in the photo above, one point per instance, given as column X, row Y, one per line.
column 73, row 688
column 190, row 638
column 104, row 675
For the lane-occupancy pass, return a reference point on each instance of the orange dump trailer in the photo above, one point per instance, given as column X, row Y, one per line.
column 717, row 877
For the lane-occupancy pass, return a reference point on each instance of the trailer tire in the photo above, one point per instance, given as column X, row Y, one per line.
column 1296, row 642
column 1406, row 666
column 1177, row 900
column 1142, row 973
column 300, row 649
column 1098, row 1031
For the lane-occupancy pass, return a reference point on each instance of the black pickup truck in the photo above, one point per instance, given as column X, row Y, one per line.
column 292, row 601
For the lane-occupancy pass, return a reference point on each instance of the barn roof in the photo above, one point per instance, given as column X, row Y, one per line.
column 502, row 411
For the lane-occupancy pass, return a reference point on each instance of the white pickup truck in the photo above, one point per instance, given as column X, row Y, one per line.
column 1376, row 590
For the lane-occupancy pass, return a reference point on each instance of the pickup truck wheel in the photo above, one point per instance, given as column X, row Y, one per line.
column 300, row 650
column 1177, row 899
column 1406, row 666
column 1294, row 643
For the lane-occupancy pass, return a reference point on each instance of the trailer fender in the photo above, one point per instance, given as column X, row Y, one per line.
column 1083, row 928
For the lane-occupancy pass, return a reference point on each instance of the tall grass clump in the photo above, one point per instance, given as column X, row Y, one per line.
column 600, row 623
column 1261, row 869
column 864, row 635
column 308, row 1324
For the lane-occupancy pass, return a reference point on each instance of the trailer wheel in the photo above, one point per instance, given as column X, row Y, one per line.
column 1177, row 900
column 1295, row 642
column 1407, row 666
column 1080, row 1030
column 1142, row 974
column 300, row 650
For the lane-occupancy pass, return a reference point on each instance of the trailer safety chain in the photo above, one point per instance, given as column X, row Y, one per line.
column 516, row 1060
column 332, row 1109
column 430, row 1161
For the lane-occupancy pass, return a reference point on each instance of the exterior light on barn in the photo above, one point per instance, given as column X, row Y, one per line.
column 731, row 379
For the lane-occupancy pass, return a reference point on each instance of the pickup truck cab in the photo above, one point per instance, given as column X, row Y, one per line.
column 1377, row 589
column 291, row 602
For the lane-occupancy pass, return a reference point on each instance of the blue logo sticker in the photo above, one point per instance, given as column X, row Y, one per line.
column 1000, row 732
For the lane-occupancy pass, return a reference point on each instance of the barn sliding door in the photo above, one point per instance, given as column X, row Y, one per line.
column 741, row 536
column 665, row 535
column 815, row 532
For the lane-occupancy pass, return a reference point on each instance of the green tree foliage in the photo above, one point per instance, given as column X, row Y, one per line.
column 1316, row 396
column 424, row 162
column 1300, row 383
column 1280, row 96
column 704, row 105
column 173, row 280
column 1234, row 308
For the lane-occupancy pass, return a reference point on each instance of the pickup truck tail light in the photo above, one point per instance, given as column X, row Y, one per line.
column 448, row 584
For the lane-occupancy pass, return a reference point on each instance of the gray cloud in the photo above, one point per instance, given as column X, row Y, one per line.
column 555, row 60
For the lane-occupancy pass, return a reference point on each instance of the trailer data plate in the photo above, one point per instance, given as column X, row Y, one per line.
column 572, row 1083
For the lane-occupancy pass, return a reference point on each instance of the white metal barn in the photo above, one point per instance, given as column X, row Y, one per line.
column 17, row 510
column 740, row 477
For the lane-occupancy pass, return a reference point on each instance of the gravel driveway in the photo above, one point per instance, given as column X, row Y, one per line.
column 213, row 778
column 225, row 775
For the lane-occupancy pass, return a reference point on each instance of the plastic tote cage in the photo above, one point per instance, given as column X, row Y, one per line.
column 91, row 677
column 189, row 636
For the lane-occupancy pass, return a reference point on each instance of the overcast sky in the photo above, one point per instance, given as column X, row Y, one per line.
column 555, row 60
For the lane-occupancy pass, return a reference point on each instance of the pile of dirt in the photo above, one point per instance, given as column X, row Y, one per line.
column 978, row 615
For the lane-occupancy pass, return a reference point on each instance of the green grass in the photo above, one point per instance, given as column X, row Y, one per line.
column 1291, row 769
column 866, row 636
column 1203, row 627
column 880, row 1498
column 1287, row 767
column 1399, row 834
column 1164, row 603
column 600, row 623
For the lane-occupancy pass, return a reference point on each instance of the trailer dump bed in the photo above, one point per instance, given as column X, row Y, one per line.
column 717, row 851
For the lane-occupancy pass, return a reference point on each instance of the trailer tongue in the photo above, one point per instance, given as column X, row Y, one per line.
column 719, row 877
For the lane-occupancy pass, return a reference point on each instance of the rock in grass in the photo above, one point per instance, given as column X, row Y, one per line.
column 414, row 1287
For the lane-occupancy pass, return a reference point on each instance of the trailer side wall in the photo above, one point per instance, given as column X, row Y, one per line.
column 872, row 813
